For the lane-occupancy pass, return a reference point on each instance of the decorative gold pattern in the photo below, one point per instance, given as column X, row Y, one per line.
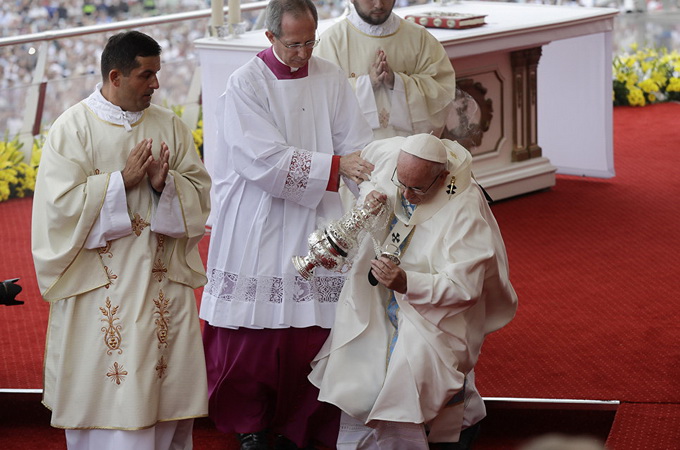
column 112, row 276
column 159, row 270
column 161, row 367
column 384, row 118
column 116, row 373
column 112, row 334
column 162, row 320
column 106, row 250
column 138, row 224
column 160, row 242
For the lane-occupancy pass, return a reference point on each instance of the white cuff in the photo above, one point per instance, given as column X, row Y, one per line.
column 113, row 221
column 400, row 117
column 167, row 218
column 366, row 97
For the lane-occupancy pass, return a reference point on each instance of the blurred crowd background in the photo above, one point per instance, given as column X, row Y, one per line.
column 73, row 63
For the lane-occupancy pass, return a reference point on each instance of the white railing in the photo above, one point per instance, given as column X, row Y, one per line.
column 57, row 94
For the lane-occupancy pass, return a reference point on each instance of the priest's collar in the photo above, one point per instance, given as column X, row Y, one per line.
column 109, row 112
column 390, row 26
column 279, row 69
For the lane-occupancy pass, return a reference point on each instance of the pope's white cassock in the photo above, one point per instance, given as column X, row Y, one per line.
column 458, row 292
column 124, row 346
column 424, row 80
column 278, row 133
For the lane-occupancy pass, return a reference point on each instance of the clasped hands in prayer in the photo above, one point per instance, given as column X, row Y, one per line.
column 380, row 71
column 141, row 162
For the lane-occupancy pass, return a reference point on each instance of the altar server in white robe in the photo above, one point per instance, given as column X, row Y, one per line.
column 400, row 73
column 289, row 127
column 120, row 204
column 399, row 361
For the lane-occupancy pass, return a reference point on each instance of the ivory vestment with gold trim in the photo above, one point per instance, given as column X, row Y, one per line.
column 124, row 348
column 425, row 84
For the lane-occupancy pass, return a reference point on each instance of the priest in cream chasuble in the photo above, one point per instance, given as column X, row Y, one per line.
column 124, row 348
column 421, row 94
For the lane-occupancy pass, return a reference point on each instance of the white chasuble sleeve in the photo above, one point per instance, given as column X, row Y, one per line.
column 400, row 118
column 189, row 180
column 430, row 89
column 478, row 273
column 367, row 103
column 66, row 204
column 113, row 221
column 167, row 218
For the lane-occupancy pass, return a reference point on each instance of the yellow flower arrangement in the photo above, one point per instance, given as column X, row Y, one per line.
column 17, row 179
column 646, row 76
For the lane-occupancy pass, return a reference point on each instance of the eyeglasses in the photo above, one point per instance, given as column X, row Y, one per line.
column 415, row 190
column 309, row 44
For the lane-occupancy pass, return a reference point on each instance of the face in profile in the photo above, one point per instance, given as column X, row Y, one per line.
column 135, row 90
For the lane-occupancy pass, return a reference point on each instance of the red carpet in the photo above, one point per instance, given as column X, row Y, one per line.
column 594, row 263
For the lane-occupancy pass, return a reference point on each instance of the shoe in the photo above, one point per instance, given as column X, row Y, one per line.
column 253, row 441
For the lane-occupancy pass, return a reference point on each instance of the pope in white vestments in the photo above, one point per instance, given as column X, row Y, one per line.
column 421, row 87
column 406, row 356
column 119, row 263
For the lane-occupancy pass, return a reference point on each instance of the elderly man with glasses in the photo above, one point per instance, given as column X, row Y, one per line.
column 289, row 128
column 413, row 313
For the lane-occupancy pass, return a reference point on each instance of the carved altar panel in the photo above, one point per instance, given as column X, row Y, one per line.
column 477, row 119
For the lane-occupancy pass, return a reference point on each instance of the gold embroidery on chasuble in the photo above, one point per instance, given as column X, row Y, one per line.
column 106, row 250
column 138, row 224
column 162, row 319
column 116, row 373
column 111, row 276
column 112, row 334
column 161, row 367
column 159, row 269
column 384, row 118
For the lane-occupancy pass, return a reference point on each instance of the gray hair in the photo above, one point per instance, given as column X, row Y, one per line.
column 277, row 8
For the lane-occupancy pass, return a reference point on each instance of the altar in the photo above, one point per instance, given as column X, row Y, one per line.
column 533, row 98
